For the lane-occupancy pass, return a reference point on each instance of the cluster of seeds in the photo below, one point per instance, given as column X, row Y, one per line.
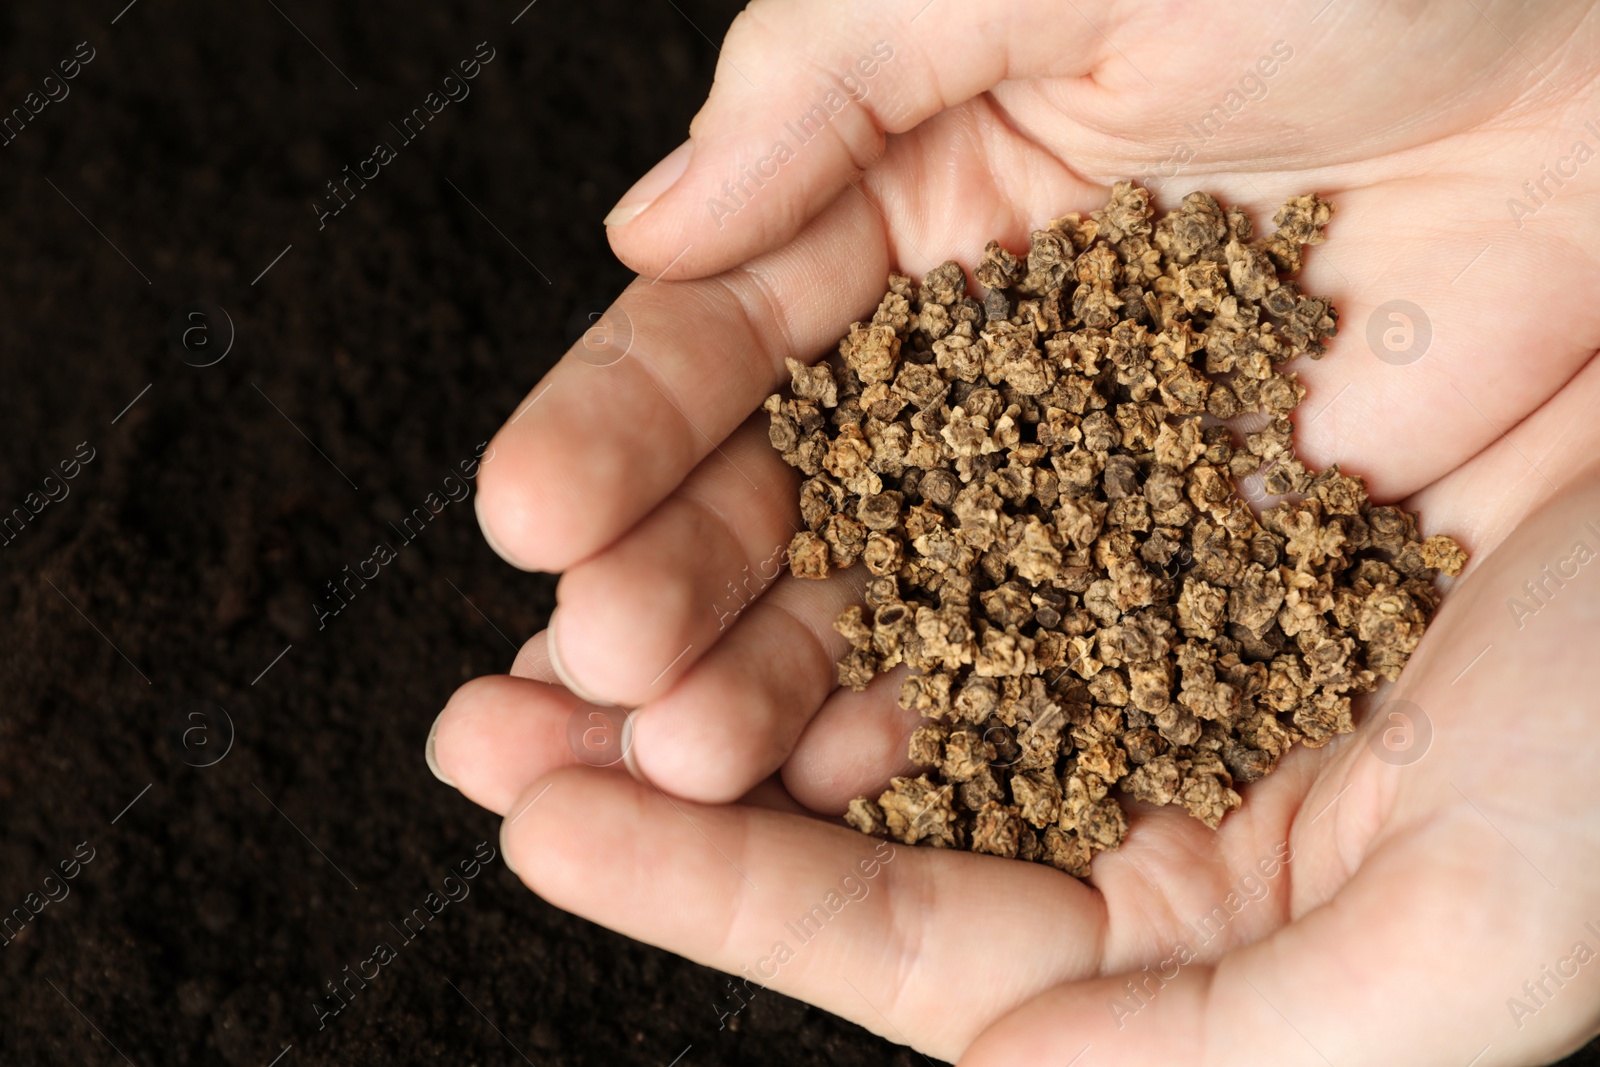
column 1042, row 486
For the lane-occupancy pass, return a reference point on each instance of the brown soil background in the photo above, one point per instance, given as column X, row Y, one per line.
column 189, row 552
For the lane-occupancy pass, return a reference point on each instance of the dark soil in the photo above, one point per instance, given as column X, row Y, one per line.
column 175, row 581
column 198, row 537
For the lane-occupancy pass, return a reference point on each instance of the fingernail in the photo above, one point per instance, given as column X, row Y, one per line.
column 553, row 649
column 505, row 853
column 628, row 759
column 648, row 190
column 433, row 761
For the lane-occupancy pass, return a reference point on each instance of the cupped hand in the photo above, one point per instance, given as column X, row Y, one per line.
column 1425, row 891
column 642, row 478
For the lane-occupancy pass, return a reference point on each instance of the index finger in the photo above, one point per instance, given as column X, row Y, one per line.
column 628, row 413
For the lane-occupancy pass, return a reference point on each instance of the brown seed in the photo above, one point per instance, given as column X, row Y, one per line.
column 1058, row 547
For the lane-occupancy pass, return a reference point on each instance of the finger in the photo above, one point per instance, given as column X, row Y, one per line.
column 497, row 734
column 1483, row 501
column 729, row 724
column 637, row 617
column 750, row 707
column 735, row 717
column 804, row 95
column 596, row 447
column 859, row 927
column 718, row 736
column 854, row 745
column 1415, row 382
column 533, row 660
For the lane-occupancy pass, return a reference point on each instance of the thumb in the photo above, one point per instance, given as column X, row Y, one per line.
column 805, row 94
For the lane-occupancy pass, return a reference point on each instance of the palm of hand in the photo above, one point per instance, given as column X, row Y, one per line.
column 1393, row 862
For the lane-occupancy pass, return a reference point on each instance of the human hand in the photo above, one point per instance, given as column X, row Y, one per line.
column 611, row 449
column 1378, row 901
column 646, row 481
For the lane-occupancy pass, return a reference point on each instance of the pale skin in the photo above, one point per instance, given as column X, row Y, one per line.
column 1423, row 891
